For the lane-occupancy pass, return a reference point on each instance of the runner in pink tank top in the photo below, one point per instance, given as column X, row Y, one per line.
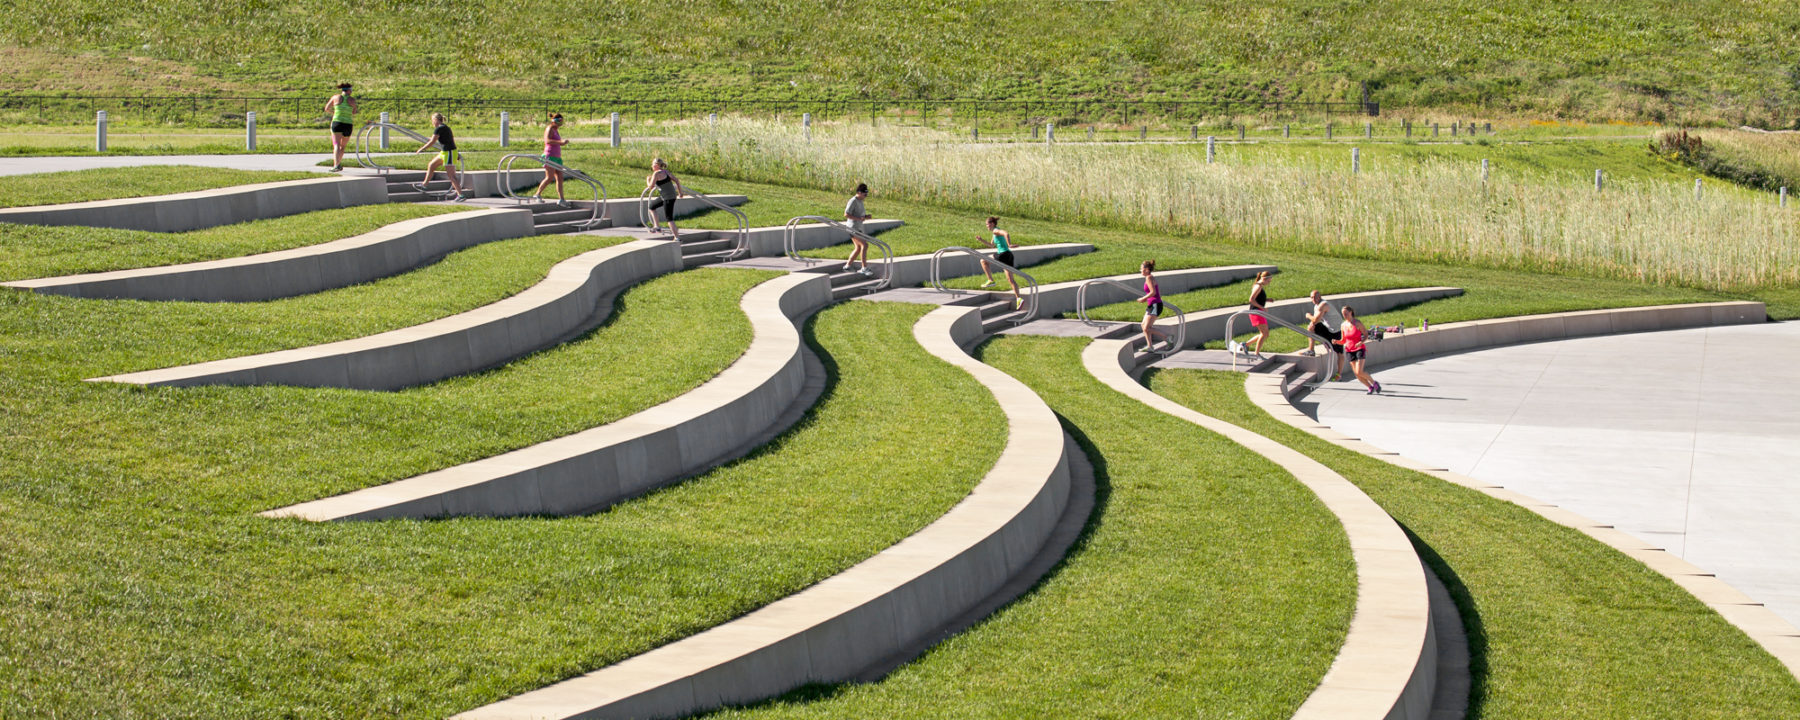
column 1356, row 349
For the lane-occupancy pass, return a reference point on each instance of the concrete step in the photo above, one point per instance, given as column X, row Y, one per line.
column 995, row 307
column 1002, row 321
column 556, row 214
column 868, row 285
column 697, row 247
column 555, row 228
column 699, row 259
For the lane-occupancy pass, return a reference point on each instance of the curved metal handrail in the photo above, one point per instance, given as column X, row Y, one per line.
column 789, row 230
column 1176, row 343
column 739, row 249
column 504, row 170
column 1331, row 368
column 366, row 158
column 1031, row 298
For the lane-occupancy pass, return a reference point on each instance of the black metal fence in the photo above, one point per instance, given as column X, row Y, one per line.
column 221, row 111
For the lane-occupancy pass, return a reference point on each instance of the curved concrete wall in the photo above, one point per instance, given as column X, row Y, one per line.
column 182, row 212
column 854, row 619
column 563, row 304
column 286, row 273
column 770, row 241
column 1387, row 666
column 913, row 270
column 1210, row 325
column 1058, row 298
column 1776, row 635
column 606, row 464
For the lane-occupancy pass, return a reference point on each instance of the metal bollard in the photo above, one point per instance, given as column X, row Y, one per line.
column 1209, row 148
column 1597, row 180
column 505, row 128
column 1355, row 161
column 806, row 123
column 100, row 131
column 615, row 129
column 250, row 130
column 384, row 130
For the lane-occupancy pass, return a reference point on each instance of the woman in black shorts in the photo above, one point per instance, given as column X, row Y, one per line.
column 668, row 190
column 1153, row 306
column 1354, row 348
column 1002, row 241
column 341, row 107
column 1317, row 325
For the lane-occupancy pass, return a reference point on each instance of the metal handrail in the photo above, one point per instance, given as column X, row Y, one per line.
column 739, row 249
column 937, row 279
column 1175, row 344
column 366, row 158
column 887, row 251
column 503, row 177
column 1331, row 368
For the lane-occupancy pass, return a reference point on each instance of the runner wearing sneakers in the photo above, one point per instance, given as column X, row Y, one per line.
column 341, row 107
column 1153, row 306
column 553, row 162
column 1356, row 350
column 1259, row 300
column 855, row 213
column 1002, row 242
column 668, row 190
column 446, row 142
column 1317, row 324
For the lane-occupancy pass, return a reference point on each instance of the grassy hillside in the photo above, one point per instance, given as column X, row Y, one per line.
column 1719, row 60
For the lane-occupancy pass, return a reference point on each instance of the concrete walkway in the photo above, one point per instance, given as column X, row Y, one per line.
column 1688, row 439
column 300, row 161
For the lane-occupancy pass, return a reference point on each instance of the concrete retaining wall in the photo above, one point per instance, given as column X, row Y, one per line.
column 855, row 619
column 769, row 241
column 1058, row 298
column 392, row 249
column 1387, row 666
column 208, row 208
column 1209, row 325
column 606, row 464
column 562, row 304
column 1774, row 634
column 915, row 270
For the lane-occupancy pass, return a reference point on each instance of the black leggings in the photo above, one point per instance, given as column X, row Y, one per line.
column 664, row 203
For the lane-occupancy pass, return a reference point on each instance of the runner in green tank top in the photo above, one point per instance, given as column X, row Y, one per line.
column 1002, row 243
column 340, row 107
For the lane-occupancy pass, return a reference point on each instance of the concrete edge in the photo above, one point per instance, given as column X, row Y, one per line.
column 388, row 250
column 201, row 209
column 609, row 463
column 852, row 620
column 1779, row 637
column 1387, row 666
column 554, row 309
column 1058, row 298
column 1210, row 324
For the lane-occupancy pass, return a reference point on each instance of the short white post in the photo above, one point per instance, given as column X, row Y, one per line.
column 1598, row 183
column 1484, row 171
column 100, row 131
column 1090, row 133
column 615, row 129
column 250, row 130
column 712, row 120
column 806, row 124
column 1696, row 188
column 1049, row 133
column 1369, row 130
column 1784, row 197
column 1209, row 148
column 505, row 128
column 1355, row 160
column 384, row 130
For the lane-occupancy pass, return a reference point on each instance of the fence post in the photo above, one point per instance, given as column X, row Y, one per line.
column 1434, row 129
column 1287, row 130
column 1327, row 130
column 1355, row 160
column 100, row 131
column 1240, row 132
column 1454, row 127
column 712, row 120
column 1784, row 196
column 1696, row 188
column 1194, row 132
column 384, row 130
column 806, row 124
column 250, row 130
column 1489, row 127
column 1484, row 171
column 1368, row 130
column 1049, row 133
column 1408, row 124
column 615, row 129
column 1209, row 148
column 505, row 128
column 974, row 134
column 1597, row 179
column 1143, row 131
column 1090, row 133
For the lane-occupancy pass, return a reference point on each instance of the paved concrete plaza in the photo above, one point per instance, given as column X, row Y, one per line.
column 1687, row 439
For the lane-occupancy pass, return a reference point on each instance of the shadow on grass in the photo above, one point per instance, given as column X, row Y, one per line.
column 1471, row 620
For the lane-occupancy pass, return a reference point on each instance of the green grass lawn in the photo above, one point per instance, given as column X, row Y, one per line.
column 31, row 251
column 1208, row 583
column 108, row 183
column 130, row 534
column 1559, row 624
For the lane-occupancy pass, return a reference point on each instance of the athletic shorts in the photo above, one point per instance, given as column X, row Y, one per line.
column 1007, row 258
column 554, row 160
column 1356, row 354
column 448, row 156
column 1259, row 321
column 1153, row 309
column 1330, row 335
column 338, row 128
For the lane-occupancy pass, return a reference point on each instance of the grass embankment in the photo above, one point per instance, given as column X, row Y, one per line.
column 1208, row 583
column 1559, row 624
column 1713, row 60
column 31, row 251
column 1636, row 229
column 110, row 183
column 132, row 545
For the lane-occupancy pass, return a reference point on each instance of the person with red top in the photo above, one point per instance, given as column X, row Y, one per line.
column 1354, row 340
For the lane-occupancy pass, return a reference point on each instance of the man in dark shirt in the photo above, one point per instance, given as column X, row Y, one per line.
column 446, row 142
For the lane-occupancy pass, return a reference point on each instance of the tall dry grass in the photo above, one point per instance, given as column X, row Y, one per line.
column 1649, row 230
